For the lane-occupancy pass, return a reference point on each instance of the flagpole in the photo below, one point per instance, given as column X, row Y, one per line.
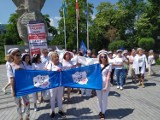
column 77, row 16
column 64, row 30
column 87, row 28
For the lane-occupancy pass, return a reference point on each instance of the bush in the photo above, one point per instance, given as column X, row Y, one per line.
column 146, row 43
column 117, row 45
column 158, row 61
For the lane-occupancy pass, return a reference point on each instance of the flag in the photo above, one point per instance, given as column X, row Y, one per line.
column 31, row 81
column 64, row 7
column 83, row 47
column 77, row 10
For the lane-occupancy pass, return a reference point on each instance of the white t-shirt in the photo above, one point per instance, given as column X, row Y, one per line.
column 38, row 66
column 151, row 60
column 111, row 61
column 53, row 67
column 27, row 67
column 67, row 64
column 118, row 61
column 11, row 69
column 44, row 59
column 105, row 72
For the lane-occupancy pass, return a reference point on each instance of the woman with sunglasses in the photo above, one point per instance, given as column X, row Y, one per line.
column 16, row 65
column 102, row 95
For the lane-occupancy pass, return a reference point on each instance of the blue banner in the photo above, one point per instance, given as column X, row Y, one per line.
column 83, row 77
column 30, row 81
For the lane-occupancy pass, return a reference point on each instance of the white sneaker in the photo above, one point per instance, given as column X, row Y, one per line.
column 118, row 87
column 4, row 90
column 121, row 88
column 35, row 109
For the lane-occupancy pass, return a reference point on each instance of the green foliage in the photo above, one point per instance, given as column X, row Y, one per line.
column 117, row 45
column 158, row 61
column 146, row 43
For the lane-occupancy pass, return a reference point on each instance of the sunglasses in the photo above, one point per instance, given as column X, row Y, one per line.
column 103, row 56
column 18, row 55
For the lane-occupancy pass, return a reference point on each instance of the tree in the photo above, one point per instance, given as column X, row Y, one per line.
column 117, row 45
column 71, row 24
column 146, row 43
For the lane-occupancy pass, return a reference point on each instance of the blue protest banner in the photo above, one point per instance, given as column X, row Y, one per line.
column 83, row 77
column 30, row 81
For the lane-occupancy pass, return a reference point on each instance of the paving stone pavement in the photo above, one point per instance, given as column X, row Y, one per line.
column 133, row 103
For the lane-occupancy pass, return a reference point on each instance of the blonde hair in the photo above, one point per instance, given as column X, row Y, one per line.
column 8, row 57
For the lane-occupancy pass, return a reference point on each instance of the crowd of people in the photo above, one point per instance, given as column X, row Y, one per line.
column 115, row 66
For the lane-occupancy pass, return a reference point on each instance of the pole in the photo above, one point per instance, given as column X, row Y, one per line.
column 87, row 28
column 64, row 30
column 77, row 35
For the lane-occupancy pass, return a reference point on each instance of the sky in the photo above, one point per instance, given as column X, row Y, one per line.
column 51, row 7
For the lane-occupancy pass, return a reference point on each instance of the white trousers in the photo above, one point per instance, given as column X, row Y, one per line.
column 34, row 97
column 150, row 70
column 56, row 93
column 102, row 99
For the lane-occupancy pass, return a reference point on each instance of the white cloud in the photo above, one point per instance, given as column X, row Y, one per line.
column 54, row 21
column 93, row 17
column 57, row 18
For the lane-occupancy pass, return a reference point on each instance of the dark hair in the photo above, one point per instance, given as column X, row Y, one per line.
column 35, row 58
column 24, row 57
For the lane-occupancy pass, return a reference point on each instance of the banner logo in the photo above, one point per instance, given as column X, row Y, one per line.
column 80, row 78
column 41, row 81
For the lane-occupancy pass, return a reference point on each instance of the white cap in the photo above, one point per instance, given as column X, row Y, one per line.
column 50, row 53
column 102, row 52
column 10, row 51
column 109, row 52
column 125, row 51
column 23, row 54
column 119, row 50
column 26, row 50
column 89, row 51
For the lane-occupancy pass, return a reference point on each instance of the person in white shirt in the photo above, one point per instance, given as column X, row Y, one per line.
column 28, row 66
column 111, row 60
column 151, row 62
column 56, row 93
column 102, row 95
column 16, row 65
column 131, row 67
column 44, row 56
column 140, row 64
column 118, row 63
column 67, row 64
column 37, row 65
column 9, row 60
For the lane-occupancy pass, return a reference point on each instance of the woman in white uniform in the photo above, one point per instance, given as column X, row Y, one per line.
column 9, row 60
column 67, row 64
column 15, row 65
column 102, row 95
column 151, row 62
column 37, row 65
column 140, row 64
column 28, row 66
column 56, row 93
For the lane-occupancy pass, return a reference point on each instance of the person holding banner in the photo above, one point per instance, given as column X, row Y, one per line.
column 28, row 66
column 16, row 65
column 102, row 95
column 37, row 65
column 56, row 93
column 67, row 64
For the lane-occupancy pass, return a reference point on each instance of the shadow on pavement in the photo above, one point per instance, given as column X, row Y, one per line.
column 130, row 87
column 118, row 113
column 114, row 93
column 149, row 84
